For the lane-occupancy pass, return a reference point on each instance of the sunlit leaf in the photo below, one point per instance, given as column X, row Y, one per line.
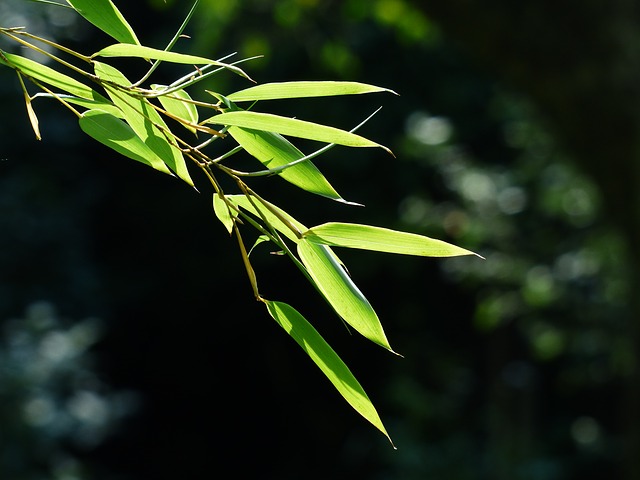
column 280, row 90
column 340, row 291
column 222, row 211
column 379, row 239
column 105, row 106
column 260, row 210
column 117, row 135
column 144, row 120
column 49, row 76
column 293, row 127
column 179, row 104
column 104, row 15
column 273, row 150
column 139, row 51
column 326, row 359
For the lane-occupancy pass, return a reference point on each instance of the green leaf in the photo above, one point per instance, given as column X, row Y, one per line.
column 293, row 127
column 273, row 150
column 223, row 212
column 339, row 290
column 139, row 51
column 267, row 212
column 105, row 106
column 117, row 135
column 104, row 15
column 144, row 120
column 379, row 239
column 48, row 75
column 179, row 104
column 280, row 90
column 326, row 359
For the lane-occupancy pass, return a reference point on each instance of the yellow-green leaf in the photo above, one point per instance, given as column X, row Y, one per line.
column 293, row 127
column 144, row 120
column 340, row 291
column 223, row 212
column 326, row 359
column 179, row 105
column 48, row 75
column 280, row 90
column 106, row 16
column 379, row 239
column 117, row 135
column 139, row 51
column 273, row 150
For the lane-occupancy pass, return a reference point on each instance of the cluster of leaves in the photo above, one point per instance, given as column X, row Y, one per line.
column 133, row 119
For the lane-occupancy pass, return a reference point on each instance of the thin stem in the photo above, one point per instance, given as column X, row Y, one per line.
column 170, row 45
column 275, row 170
column 62, row 48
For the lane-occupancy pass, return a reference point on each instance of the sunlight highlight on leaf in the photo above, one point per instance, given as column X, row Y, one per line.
column 379, row 239
column 340, row 291
column 326, row 359
column 281, row 90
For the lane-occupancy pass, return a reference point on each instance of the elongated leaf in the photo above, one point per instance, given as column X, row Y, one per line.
column 340, row 291
column 105, row 106
column 222, row 211
column 105, row 15
column 379, row 239
column 326, row 359
column 139, row 51
column 261, row 210
column 280, row 90
column 49, row 76
column 145, row 121
column 179, row 104
column 293, row 127
column 117, row 135
column 273, row 150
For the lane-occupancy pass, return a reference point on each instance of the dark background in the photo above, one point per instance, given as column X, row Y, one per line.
column 515, row 135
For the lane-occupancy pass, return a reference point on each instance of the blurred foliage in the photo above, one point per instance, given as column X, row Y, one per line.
column 513, row 367
column 51, row 396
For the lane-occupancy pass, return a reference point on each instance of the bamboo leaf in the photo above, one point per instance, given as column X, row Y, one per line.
column 326, row 359
column 145, row 121
column 33, row 118
column 179, row 104
column 260, row 210
column 106, row 16
column 281, row 90
column 48, row 75
column 105, row 106
column 139, row 51
column 223, row 212
column 293, row 127
column 117, row 135
column 340, row 291
column 273, row 150
column 379, row 239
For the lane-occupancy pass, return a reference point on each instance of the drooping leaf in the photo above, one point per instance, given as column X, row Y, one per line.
column 281, row 90
column 139, row 51
column 51, row 77
column 222, row 211
column 340, row 291
column 179, row 104
column 117, row 135
column 293, row 127
column 273, row 150
column 379, row 239
column 326, row 359
column 106, row 16
column 144, row 120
